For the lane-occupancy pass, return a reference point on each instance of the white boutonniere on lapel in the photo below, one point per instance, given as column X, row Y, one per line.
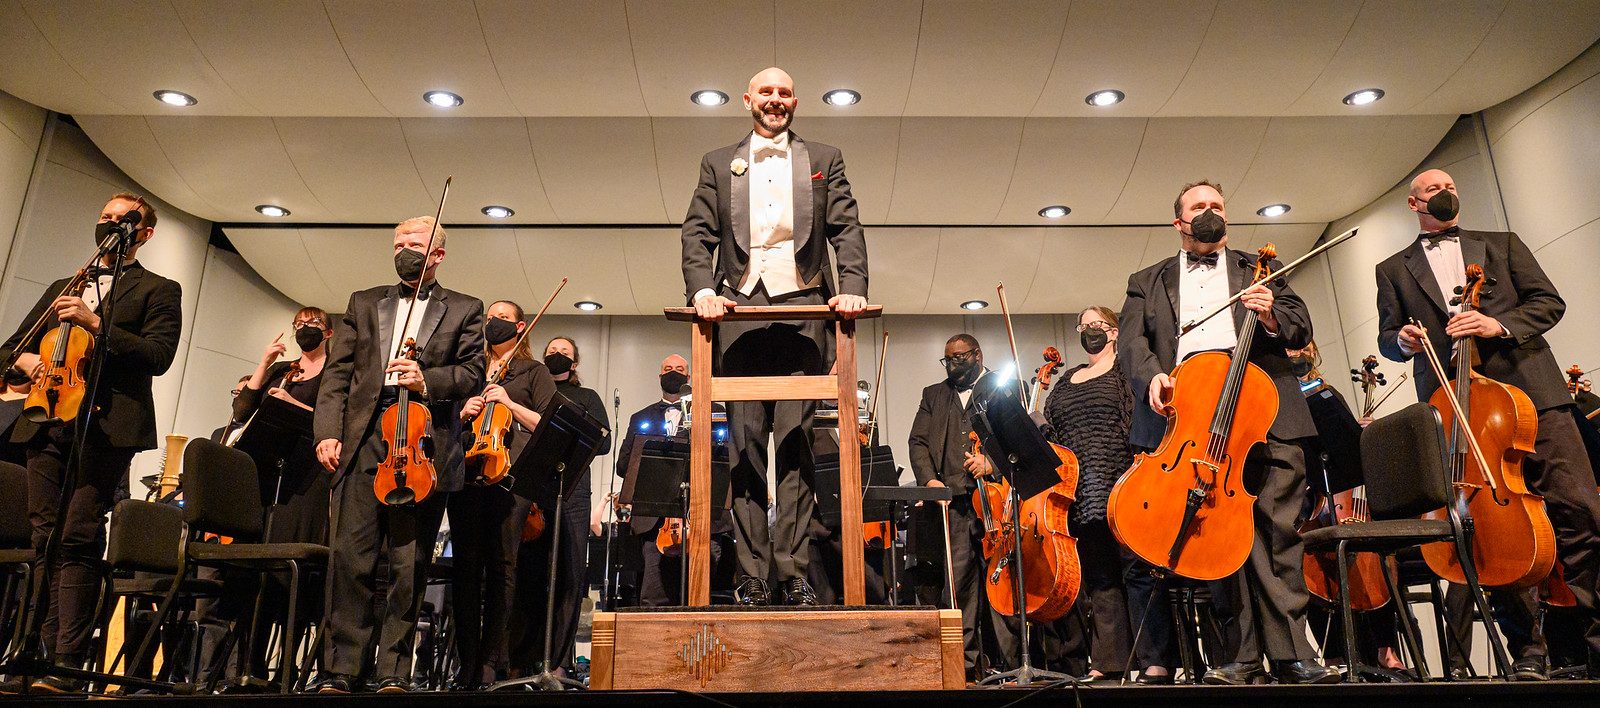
column 738, row 166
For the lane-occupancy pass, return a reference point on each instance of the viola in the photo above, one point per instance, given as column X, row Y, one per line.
column 406, row 474
column 1368, row 590
column 1513, row 544
column 1184, row 508
column 488, row 458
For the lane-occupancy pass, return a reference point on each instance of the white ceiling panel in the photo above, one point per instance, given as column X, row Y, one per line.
column 36, row 71
column 351, row 259
column 1259, row 53
column 235, row 164
column 607, row 170
column 682, row 46
column 1176, row 152
column 1082, row 267
column 900, row 265
column 131, row 144
column 655, row 273
column 989, row 59
column 870, row 147
column 403, row 49
column 953, row 170
column 587, row 258
column 868, row 47
column 279, row 255
column 1077, row 162
column 972, row 260
column 1106, row 46
column 486, row 263
column 1531, row 38
column 558, row 58
column 496, row 153
column 362, row 169
column 680, row 143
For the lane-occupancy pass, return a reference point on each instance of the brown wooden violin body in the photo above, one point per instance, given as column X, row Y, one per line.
column 58, row 394
column 489, row 458
column 533, row 526
column 1184, row 508
column 669, row 539
column 406, row 474
column 1513, row 543
column 1368, row 591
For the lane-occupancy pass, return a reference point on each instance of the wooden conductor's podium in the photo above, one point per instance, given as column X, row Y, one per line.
column 754, row 649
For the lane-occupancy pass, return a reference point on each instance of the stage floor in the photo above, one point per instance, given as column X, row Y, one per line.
column 1441, row 695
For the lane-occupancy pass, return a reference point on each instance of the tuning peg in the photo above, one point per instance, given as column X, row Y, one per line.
column 1355, row 372
column 1456, row 290
column 1456, row 300
column 1491, row 281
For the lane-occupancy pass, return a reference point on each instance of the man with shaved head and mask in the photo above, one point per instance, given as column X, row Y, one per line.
column 1508, row 327
column 758, row 232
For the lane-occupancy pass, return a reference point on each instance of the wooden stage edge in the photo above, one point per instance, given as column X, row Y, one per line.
column 791, row 650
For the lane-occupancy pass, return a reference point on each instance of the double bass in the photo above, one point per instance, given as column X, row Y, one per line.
column 1184, row 508
column 1513, row 543
column 1048, row 553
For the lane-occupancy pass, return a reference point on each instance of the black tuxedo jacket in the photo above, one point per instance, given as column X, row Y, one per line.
column 450, row 352
column 939, row 443
column 1148, row 343
column 146, row 319
column 651, row 420
column 824, row 212
column 1522, row 299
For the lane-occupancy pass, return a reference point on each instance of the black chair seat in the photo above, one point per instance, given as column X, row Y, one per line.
column 255, row 554
column 160, row 584
column 1378, row 536
column 16, row 556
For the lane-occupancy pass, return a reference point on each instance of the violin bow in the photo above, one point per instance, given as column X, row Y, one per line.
column 433, row 233
column 1389, row 393
column 877, row 383
column 1463, row 423
column 1280, row 273
column 535, row 321
column 1016, row 361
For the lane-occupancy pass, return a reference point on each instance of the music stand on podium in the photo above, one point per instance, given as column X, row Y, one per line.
column 656, row 481
column 840, row 387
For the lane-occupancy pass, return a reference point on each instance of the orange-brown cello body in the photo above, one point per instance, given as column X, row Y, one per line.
column 1051, row 570
column 1513, row 544
column 58, row 394
column 1148, row 504
column 1368, row 591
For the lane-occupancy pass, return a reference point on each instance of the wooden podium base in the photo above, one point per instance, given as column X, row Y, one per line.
column 778, row 650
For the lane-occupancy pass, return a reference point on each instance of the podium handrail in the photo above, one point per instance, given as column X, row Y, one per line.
column 771, row 313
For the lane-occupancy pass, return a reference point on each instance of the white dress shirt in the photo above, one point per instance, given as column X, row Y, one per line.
column 1202, row 288
column 771, row 219
column 1449, row 270
column 410, row 331
column 671, row 418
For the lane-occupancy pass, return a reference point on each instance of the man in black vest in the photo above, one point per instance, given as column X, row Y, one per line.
column 1267, row 597
column 364, row 377
column 146, row 317
column 1508, row 327
column 941, row 456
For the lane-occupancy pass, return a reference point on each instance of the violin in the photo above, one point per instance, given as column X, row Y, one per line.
column 1047, row 554
column 669, row 540
column 406, row 474
column 533, row 526
column 489, row 455
column 1184, row 508
column 1575, row 380
column 1368, row 589
column 1513, row 544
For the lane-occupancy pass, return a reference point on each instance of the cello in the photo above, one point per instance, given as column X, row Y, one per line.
column 1184, row 508
column 488, row 458
column 1513, row 543
column 1368, row 591
column 1034, row 533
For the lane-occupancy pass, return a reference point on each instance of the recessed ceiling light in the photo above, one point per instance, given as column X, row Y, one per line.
column 1107, row 97
column 272, row 210
column 587, row 305
column 1273, row 210
column 1364, row 97
column 974, row 305
column 708, row 97
column 442, row 99
column 498, row 212
column 1055, row 211
column 841, row 97
column 175, row 98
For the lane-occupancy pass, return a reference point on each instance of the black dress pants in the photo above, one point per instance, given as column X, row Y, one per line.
column 485, row 532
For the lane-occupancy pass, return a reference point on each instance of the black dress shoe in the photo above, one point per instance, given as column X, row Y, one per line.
column 332, row 683
column 752, row 592
column 394, row 684
column 796, row 591
column 1305, row 672
column 1149, row 680
column 1237, row 673
column 14, row 685
column 58, row 685
column 1530, row 669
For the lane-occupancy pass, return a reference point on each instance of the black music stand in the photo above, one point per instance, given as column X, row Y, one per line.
column 1021, row 455
column 877, row 470
column 1341, row 443
column 271, row 438
column 901, row 499
column 564, row 443
column 656, row 483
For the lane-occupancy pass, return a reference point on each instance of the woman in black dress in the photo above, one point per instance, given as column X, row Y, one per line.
column 1089, row 412
column 486, row 520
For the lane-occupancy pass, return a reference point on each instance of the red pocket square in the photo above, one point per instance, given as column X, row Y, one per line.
column 817, row 175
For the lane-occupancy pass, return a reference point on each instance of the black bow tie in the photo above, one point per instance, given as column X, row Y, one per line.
column 406, row 289
column 1434, row 238
column 1194, row 259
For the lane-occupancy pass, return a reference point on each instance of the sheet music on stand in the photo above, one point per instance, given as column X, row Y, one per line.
column 656, row 470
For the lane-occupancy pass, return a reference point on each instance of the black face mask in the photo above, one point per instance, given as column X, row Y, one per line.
column 308, row 337
column 1300, row 365
column 409, row 264
column 558, row 363
column 1093, row 340
column 499, row 331
column 963, row 373
column 1443, row 205
column 102, row 230
column 673, row 381
column 1209, row 227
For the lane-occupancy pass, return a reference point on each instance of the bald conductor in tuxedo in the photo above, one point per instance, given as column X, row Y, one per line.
column 758, row 232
